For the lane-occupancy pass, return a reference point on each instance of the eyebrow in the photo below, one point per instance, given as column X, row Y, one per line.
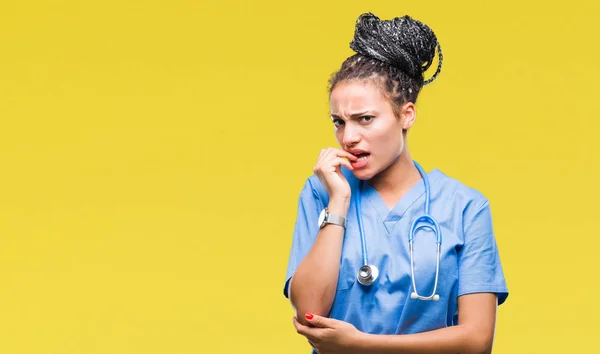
column 356, row 115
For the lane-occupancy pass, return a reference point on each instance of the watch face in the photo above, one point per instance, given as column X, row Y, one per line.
column 322, row 218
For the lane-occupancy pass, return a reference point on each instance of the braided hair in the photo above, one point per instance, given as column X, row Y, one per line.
column 396, row 52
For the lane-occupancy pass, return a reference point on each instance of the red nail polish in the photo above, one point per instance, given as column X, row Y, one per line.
column 309, row 316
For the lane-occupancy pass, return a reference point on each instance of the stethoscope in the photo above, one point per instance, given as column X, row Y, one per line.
column 368, row 273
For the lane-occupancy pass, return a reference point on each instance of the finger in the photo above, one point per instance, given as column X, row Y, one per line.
column 304, row 330
column 327, row 154
column 321, row 160
column 333, row 152
column 320, row 321
column 338, row 162
column 345, row 163
column 323, row 151
column 346, row 154
column 330, row 155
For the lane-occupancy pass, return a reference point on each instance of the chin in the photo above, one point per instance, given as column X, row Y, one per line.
column 364, row 173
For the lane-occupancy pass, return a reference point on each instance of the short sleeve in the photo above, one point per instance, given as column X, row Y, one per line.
column 480, row 268
column 305, row 229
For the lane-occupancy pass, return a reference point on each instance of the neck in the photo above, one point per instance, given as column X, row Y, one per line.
column 400, row 176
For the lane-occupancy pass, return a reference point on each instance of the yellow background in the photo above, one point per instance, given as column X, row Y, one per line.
column 152, row 154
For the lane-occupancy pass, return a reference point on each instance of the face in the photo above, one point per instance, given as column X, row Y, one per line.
column 366, row 126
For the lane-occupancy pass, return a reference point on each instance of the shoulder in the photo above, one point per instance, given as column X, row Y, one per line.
column 462, row 195
column 468, row 205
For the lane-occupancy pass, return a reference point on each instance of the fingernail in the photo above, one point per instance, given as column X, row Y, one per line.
column 309, row 316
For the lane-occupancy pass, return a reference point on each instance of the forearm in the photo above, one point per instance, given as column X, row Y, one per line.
column 461, row 339
column 314, row 282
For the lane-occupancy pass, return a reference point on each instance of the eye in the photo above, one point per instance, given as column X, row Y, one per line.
column 366, row 119
column 337, row 122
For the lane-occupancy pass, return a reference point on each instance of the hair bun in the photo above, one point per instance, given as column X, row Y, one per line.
column 403, row 42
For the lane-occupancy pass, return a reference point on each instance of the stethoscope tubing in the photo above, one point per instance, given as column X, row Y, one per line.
column 427, row 218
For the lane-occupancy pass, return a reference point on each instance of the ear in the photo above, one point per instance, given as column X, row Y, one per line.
column 408, row 115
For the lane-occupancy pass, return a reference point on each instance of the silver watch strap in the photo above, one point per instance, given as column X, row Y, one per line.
column 336, row 219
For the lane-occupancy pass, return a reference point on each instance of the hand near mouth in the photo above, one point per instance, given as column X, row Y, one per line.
column 328, row 170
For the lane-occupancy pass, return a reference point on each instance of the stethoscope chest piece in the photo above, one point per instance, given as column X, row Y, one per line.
column 367, row 274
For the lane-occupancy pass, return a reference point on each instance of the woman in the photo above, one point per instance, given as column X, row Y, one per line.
column 371, row 184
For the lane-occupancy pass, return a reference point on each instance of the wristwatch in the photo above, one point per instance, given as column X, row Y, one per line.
column 328, row 218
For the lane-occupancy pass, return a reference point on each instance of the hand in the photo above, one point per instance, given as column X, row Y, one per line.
column 329, row 173
column 330, row 336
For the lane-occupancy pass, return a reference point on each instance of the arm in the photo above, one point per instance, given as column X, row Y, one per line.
column 481, row 288
column 474, row 333
column 317, row 252
column 312, row 288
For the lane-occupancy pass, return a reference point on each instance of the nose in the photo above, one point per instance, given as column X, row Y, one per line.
column 351, row 135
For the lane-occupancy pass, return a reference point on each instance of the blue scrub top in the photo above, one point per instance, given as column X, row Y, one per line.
column 470, row 261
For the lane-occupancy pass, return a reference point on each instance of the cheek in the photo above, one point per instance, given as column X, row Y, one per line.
column 387, row 141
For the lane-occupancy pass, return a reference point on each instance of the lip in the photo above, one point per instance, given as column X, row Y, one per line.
column 357, row 151
column 360, row 163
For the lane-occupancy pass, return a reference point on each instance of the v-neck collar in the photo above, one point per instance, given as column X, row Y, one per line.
column 390, row 217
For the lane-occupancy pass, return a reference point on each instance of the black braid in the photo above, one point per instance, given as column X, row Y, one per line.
column 397, row 52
